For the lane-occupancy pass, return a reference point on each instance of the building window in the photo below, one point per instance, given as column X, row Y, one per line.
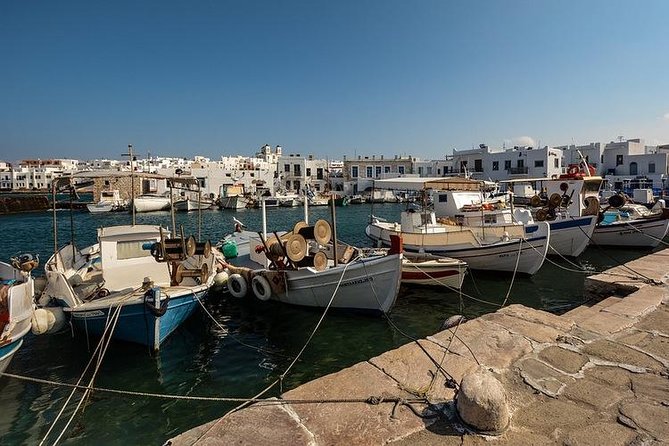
column 420, row 171
column 495, row 165
column 400, row 170
column 386, row 169
column 319, row 173
column 297, row 170
column 556, row 163
column 619, row 160
column 651, row 167
column 507, row 164
column 378, row 171
column 288, row 185
column 538, row 163
column 429, row 170
column 370, row 171
column 354, row 171
column 520, row 164
column 286, row 168
column 297, row 185
column 308, row 171
column 478, row 165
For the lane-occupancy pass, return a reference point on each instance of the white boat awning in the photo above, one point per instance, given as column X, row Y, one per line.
column 434, row 183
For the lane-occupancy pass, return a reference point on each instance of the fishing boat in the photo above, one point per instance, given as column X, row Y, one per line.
column 150, row 283
column 303, row 268
column 151, row 203
column 289, row 202
column 17, row 288
column 318, row 201
column 193, row 204
column 425, row 269
column 357, row 199
column 491, row 239
column 570, row 206
column 232, row 197
column 109, row 201
column 341, row 200
column 631, row 225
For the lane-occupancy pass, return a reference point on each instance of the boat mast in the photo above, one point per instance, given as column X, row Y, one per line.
column 132, row 181
column 55, row 222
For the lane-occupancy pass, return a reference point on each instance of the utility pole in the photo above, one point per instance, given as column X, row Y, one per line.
column 132, row 181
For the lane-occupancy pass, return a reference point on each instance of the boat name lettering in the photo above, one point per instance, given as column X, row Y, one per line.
column 357, row 281
column 84, row 314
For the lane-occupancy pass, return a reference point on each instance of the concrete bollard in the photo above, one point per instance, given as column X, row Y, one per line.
column 481, row 402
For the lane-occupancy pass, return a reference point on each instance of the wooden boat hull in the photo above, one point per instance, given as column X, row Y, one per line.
column 234, row 202
column 368, row 284
column 19, row 310
column 646, row 232
column 498, row 255
column 571, row 236
column 441, row 272
column 136, row 324
column 151, row 204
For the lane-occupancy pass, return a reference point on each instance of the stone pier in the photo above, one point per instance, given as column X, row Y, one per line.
column 595, row 375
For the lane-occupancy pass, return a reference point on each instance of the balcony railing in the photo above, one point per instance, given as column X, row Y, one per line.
column 518, row 170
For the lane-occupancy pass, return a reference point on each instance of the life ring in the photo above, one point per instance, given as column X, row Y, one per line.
column 237, row 285
column 573, row 170
column 261, row 288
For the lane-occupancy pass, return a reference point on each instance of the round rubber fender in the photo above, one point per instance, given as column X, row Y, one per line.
column 261, row 288
column 237, row 285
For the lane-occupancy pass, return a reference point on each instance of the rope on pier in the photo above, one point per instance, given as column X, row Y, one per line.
column 283, row 375
column 371, row 400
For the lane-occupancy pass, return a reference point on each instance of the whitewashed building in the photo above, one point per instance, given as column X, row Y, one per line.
column 484, row 163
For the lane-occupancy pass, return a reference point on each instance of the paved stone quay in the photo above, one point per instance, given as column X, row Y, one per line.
column 596, row 375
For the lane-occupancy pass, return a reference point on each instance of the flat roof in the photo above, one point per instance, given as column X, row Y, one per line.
column 435, row 183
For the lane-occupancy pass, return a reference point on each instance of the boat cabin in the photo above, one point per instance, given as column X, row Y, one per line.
column 125, row 257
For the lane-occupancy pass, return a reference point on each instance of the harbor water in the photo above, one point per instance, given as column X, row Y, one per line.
column 250, row 344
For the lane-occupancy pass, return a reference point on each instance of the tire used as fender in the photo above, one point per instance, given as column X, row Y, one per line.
column 261, row 288
column 237, row 285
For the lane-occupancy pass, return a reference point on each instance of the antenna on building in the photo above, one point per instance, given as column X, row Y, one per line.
column 621, row 138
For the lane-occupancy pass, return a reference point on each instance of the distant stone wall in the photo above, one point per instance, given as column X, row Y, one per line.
column 28, row 203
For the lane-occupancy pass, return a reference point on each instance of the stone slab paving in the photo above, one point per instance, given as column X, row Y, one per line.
column 600, row 379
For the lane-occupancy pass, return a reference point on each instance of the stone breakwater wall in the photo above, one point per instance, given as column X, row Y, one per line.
column 28, row 203
column 598, row 374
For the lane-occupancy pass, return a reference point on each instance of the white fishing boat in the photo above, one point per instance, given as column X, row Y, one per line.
column 16, row 305
column 357, row 199
column 133, row 273
column 289, row 202
column 151, row 203
column 570, row 206
column 424, row 269
column 632, row 225
column 486, row 239
column 193, row 204
column 232, row 197
column 355, row 281
column 318, row 201
column 236, row 202
column 109, row 201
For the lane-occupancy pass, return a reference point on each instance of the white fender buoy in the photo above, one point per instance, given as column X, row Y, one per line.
column 221, row 279
column 261, row 288
column 237, row 285
column 47, row 320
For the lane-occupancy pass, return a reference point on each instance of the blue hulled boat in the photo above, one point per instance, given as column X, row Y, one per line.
column 134, row 274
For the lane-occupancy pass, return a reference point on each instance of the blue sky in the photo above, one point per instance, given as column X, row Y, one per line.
column 83, row 79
